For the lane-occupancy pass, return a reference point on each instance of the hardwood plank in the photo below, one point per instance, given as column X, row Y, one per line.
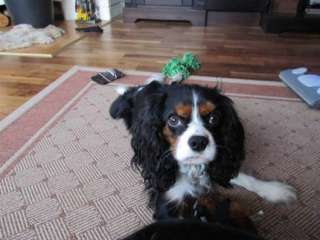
column 225, row 51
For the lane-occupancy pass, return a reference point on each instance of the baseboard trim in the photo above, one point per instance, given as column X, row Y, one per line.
column 133, row 14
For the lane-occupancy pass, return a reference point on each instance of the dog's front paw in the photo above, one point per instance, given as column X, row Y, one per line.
column 277, row 192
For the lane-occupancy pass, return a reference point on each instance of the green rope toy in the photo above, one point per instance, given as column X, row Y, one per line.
column 180, row 68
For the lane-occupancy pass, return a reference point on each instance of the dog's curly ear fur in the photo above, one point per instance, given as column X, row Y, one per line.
column 150, row 149
column 231, row 141
column 141, row 108
column 122, row 107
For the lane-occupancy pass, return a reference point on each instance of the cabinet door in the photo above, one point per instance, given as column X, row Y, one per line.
column 285, row 6
column 199, row 4
column 164, row 2
column 128, row 3
column 134, row 3
column 187, row 3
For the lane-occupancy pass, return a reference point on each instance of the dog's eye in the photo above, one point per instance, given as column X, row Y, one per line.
column 174, row 121
column 213, row 119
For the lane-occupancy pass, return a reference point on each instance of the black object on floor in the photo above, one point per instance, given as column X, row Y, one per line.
column 107, row 76
column 302, row 21
column 90, row 29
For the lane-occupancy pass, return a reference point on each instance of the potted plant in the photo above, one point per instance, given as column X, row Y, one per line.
column 38, row 13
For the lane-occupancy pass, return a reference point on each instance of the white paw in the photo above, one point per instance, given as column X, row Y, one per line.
column 121, row 90
column 277, row 192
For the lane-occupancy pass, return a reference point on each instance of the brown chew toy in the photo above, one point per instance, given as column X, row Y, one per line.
column 212, row 208
column 229, row 210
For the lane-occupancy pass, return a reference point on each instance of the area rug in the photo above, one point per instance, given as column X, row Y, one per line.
column 65, row 164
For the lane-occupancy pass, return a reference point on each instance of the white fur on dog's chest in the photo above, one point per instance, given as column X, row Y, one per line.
column 192, row 180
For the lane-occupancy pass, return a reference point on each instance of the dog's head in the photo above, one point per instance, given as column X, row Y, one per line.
column 181, row 124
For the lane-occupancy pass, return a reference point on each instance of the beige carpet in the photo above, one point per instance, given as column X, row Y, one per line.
column 74, row 180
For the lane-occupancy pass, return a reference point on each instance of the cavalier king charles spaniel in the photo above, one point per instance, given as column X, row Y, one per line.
column 187, row 139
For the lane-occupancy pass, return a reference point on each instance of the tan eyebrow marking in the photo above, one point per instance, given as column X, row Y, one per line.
column 183, row 110
column 205, row 108
column 170, row 137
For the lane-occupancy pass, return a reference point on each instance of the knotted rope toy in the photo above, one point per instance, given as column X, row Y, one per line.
column 180, row 68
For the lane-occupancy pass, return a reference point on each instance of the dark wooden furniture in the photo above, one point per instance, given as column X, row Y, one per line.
column 290, row 17
column 180, row 10
column 239, row 6
column 198, row 12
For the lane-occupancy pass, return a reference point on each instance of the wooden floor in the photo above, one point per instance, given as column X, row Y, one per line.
column 238, row 52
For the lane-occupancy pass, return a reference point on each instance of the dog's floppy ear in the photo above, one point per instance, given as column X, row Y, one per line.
column 121, row 108
column 150, row 148
column 130, row 100
column 230, row 142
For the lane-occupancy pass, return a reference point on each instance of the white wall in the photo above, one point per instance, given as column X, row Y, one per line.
column 117, row 8
column 68, row 9
column 108, row 8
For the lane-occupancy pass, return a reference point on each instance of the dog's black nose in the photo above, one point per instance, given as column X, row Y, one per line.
column 198, row 143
